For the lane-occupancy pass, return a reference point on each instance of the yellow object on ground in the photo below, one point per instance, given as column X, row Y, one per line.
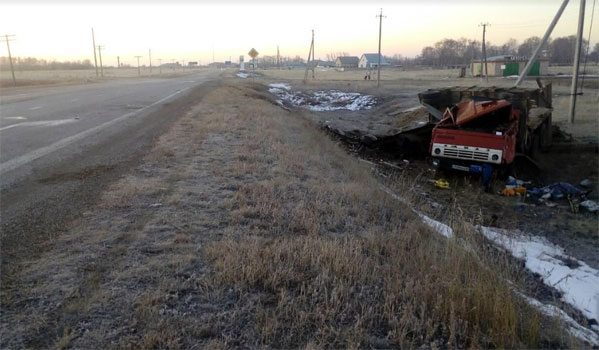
column 442, row 183
column 510, row 192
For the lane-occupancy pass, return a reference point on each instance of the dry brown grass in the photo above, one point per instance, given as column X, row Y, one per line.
column 268, row 234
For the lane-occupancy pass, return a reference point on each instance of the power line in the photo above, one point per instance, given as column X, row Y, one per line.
column 378, row 78
column 8, row 38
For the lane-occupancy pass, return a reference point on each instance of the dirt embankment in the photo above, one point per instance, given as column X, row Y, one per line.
column 246, row 226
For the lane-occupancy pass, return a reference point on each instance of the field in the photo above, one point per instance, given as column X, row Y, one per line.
column 247, row 225
column 46, row 77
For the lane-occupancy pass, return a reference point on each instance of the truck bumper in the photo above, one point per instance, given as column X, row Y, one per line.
column 485, row 169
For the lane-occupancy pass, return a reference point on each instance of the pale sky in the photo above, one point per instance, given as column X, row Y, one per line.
column 187, row 31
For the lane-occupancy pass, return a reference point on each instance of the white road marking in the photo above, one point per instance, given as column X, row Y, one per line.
column 41, row 152
column 15, row 118
column 34, row 108
column 40, row 123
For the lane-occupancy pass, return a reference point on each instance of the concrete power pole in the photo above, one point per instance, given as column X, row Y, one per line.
column 138, row 70
column 378, row 77
column 118, row 61
column 8, row 39
column 278, row 58
column 160, row 65
column 484, row 25
column 100, row 47
column 150, row 51
column 95, row 59
column 574, row 89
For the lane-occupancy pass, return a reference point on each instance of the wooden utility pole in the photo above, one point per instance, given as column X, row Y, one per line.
column 100, row 47
column 309, row 63
column 138, row 70
column 95, row 59
column 150, row 51
column 574, row 88
column 8, row 39
column 484, row 25
column 160, row 65
column 378, row 77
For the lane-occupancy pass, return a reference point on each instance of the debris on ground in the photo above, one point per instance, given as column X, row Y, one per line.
column 441, row 183
column 330, row 100
column 590, row 205
column 586, row 183
column 556, row 191
column 245, row 75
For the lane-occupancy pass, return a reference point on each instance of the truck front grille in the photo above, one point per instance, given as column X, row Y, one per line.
column 467, row 153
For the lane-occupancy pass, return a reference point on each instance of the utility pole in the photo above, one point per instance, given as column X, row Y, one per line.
column 150, row 50
column 7, row 38
column 484, row 25
column 378, row 78
column 100, row 47
column 138, row 71
column 278, row 58
column 212, row 52
column 118, row 61
column 574, row 89
column 537, row 51
column 309, row 63
column 160, row 65
column 95, row 59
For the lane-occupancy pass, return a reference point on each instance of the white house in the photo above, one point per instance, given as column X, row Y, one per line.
column 371, row 60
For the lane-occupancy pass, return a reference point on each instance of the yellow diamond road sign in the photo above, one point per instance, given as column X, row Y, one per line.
column 253, row 53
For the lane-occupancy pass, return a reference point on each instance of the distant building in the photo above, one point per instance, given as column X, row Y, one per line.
column 192, row 64
column 504, row 66
column 347, row 62
column 321, row 63
column 371, row 60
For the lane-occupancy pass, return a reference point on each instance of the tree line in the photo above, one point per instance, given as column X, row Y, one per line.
column 451, row 52
column 32, row 63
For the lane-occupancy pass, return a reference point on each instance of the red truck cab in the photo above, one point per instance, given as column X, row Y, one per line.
column 477, row 130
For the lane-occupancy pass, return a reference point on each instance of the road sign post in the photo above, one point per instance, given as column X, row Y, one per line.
column 253, row 54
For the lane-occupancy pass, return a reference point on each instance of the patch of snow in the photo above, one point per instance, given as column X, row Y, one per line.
column 321, row 101
column 280, row 86
column 439, row 227
column 572, row 326
column 242, row 75
column 579, row 285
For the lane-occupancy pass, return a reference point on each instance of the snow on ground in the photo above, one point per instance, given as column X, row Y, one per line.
column 578, row 282
column 245, row 75
column 331, row 100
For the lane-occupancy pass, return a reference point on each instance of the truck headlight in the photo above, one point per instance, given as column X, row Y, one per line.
column 437, row 151
column 495, row 157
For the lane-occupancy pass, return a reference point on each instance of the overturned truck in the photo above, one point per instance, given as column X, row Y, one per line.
column 478, row 129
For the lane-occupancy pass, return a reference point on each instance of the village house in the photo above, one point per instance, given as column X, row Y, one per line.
column 347, row 62
column 371, row 60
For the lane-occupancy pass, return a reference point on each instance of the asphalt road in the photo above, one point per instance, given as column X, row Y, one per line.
column 60, row 146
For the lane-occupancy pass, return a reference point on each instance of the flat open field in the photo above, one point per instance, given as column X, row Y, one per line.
column 45, row 77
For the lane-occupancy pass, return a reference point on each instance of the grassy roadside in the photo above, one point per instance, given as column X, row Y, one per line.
column 246, row 226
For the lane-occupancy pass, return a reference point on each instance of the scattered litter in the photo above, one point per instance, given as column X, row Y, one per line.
column 586, row 183
column 512, row 181
column 441, row 183
column 515, row 191
column 155, row 205
column 331, row 100
column 590, row 205
column 579, row 285
column 556, row 190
